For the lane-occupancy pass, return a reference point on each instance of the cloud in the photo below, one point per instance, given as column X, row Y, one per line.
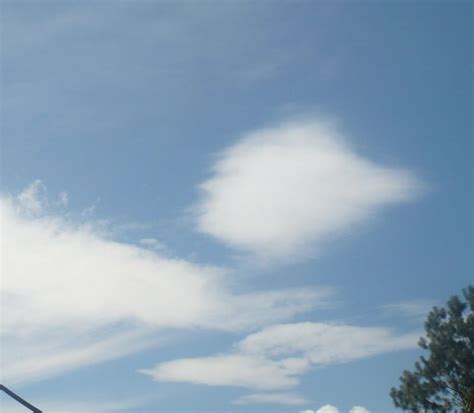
column 33, row 198
column 324, row 343
column 275, row 357
column 325, row 409
column 47, row 352
column 239, row 370
column 279, row 192
column 73, row 296
column 358, row 409
column 331, row 409
column 10, row 406
column 417, row 309
column 290, row 399
column 64, row 198
column 152, row 243
column 328, row 409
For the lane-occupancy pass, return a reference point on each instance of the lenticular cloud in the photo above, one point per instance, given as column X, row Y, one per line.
column 280, row 191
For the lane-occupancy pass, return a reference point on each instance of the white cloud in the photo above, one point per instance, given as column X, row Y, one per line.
column 417, row 309
column 64, row 199
column 323, row 343
column 33, row 198
column 328, row 409
column 72, row 296
column 331, row 409
column 153, row 244
column 230, row 370
column 274, row 358
column 10, row 406
column 290, row 399
column 280, row 191
column 358, row 409
column 48, row 352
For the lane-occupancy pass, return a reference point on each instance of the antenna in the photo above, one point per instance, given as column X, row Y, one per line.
column 19, row 399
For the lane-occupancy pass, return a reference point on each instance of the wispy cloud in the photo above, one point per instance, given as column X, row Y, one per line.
column 9, row 406
column 290, row 399
column 48, row 352
column 240, row 370
column 64, row 198
column 82, row 297
column 416, row 309
column 152, row 243
column 327, row 409
column 275, row 357
column 359, row 409
column 33, row 198
column 281, row 191
column 332, row 409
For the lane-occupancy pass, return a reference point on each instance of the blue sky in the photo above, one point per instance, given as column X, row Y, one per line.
column 229, row 206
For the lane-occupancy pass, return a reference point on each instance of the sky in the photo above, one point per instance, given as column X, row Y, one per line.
column 232, row 207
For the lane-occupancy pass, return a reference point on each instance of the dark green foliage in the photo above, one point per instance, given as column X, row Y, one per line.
column 444, row 381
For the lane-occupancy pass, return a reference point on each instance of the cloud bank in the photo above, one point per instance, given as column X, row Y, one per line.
column 279, row 192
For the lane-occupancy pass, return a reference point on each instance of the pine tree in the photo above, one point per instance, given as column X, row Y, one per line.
column 444, row 381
